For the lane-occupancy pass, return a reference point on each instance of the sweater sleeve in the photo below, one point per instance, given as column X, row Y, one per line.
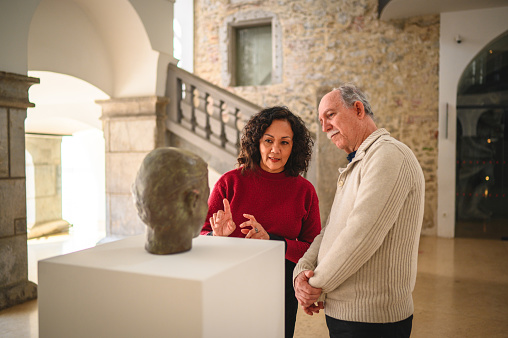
column 214, row 204
column 385, row 182
column 309, row 259
column 311, row 227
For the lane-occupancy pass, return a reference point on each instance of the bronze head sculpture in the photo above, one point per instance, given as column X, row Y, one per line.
column 171, row 193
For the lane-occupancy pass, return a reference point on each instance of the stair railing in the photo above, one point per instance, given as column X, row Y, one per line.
column 200, row 111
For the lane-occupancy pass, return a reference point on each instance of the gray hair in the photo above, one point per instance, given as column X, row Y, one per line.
column 350, row 94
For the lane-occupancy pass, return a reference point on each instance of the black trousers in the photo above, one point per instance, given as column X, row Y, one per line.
column 291, row 304
column 344, row 329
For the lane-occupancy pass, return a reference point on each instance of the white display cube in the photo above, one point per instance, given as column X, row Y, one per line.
column 222, row 287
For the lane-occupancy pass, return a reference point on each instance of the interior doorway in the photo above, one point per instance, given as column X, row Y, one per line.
column 64, row 132
column 482, row 145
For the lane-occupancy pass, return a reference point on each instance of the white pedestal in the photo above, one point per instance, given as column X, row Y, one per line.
column 223, row 287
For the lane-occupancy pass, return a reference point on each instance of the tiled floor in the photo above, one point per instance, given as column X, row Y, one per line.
column 461, row 290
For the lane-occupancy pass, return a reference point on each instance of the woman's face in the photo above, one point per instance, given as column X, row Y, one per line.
column 275, row 146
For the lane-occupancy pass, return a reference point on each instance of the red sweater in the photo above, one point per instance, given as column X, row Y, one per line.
column 284, row 206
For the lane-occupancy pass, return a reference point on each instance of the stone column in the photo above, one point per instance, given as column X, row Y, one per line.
column 132, row 128
column 46, row 154
column 14, row 285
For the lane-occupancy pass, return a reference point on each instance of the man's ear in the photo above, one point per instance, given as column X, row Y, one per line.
column 359, row 109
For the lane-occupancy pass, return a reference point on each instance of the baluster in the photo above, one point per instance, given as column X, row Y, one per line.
column 180, row 92
column 216, row 130
column 231, row 131
column 209, row 112
column 187, row 107
column 200, row 114
column 240, row 123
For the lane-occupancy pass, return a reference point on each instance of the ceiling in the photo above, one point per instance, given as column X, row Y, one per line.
column 399, row 9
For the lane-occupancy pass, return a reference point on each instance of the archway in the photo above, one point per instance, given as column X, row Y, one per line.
column 482, row 144
column 66, row 124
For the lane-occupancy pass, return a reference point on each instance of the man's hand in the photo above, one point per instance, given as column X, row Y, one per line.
column 305, row 293
column 314, row 308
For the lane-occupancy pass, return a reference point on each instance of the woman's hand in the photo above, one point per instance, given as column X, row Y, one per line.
column 222, row 221
column 257, row 231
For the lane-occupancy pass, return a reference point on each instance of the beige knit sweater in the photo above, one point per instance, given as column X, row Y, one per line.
column 365, row 257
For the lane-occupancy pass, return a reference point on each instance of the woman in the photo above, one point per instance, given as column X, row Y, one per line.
column 266, row 198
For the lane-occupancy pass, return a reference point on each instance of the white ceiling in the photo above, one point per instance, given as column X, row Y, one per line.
column 398, row 9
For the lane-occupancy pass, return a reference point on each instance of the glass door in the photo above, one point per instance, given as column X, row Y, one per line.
column 482, row 145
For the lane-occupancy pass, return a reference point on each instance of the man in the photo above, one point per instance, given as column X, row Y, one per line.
column 363, row 263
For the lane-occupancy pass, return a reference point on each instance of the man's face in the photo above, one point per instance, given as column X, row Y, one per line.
column 341, row 124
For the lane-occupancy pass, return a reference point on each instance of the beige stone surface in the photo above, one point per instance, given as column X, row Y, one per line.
column 132, row 135
column 14, row 286
column 121, row 169
column 326, row 42
column 12, row 205
column 132, row 127
column 4, row 151
column 17, row 142
column 14, row 263
column 48, row 208
column 45, row 152
column 123, row 216
column 46, row 176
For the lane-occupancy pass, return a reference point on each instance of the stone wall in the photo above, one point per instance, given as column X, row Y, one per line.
column 326, row 42
column 15, row 288
column 132, row 128
column 45, row 151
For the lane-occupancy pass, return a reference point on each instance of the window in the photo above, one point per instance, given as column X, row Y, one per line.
column 253, row 56
column 251, row 49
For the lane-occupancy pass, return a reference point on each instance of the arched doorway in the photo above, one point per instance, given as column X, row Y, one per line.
column 482, row 145
column 65, row 138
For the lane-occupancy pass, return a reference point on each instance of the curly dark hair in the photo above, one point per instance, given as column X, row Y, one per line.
column 250, row 156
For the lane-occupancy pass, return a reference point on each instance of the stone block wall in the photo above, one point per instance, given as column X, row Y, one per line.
column 45, row 152
column 14, row 285
column 132, row 128
column 327, row 42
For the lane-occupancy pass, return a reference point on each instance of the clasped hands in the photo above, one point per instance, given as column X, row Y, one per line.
column 307, row 295
column 222, row 224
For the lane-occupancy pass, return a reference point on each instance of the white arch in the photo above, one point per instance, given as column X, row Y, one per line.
column 105, row 43
column 63, row 105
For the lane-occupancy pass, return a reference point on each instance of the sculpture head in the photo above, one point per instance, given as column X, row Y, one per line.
column 171, row 193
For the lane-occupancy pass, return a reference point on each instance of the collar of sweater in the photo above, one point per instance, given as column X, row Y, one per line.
column 360, row 152
column 270, row 176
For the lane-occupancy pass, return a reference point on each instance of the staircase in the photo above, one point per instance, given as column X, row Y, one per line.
column 205, row 118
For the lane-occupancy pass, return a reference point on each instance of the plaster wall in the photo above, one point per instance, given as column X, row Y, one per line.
column 476, row 29
column 326, row 42
column 64, row 39
column 15, row 17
